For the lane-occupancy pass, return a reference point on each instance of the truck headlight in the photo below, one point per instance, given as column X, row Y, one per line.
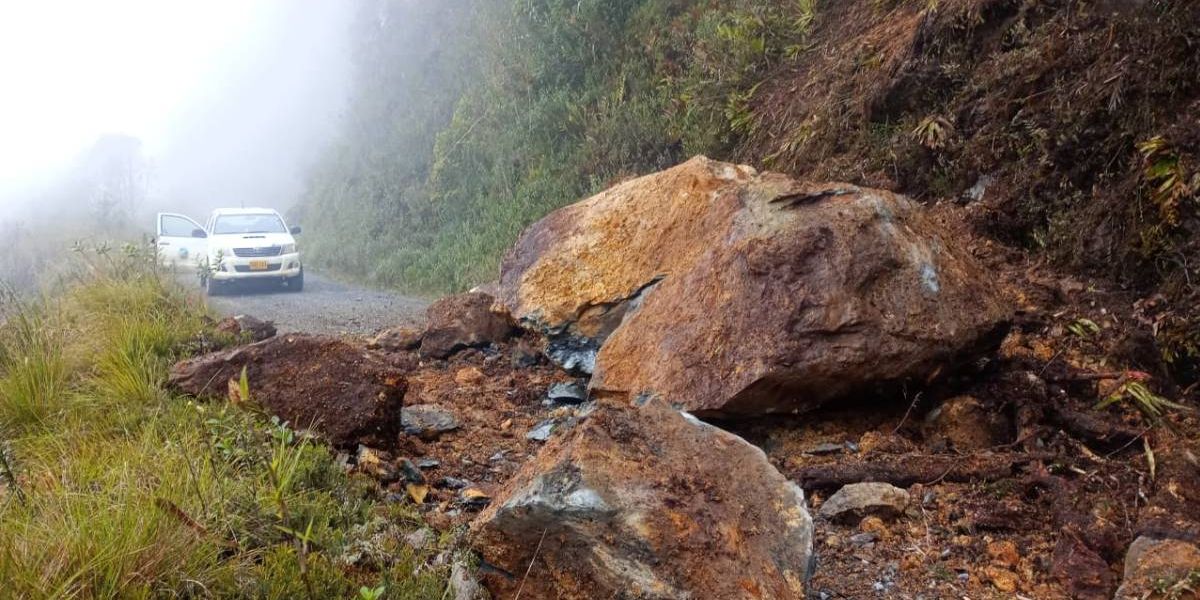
column 289, row 248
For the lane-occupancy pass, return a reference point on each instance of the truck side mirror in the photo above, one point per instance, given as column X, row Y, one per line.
column 295, row 230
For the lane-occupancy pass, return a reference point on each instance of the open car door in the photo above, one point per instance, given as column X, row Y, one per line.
column 181, row 241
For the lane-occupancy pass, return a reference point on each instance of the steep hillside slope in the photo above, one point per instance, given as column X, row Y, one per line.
column 1067, row 128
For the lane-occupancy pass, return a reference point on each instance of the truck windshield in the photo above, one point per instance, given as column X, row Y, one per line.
column 260, row 223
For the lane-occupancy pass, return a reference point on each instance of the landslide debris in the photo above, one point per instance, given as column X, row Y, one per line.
column 1029, row 470
column 726, row 291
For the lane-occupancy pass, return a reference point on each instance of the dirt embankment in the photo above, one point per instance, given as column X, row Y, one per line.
column 1067, row 128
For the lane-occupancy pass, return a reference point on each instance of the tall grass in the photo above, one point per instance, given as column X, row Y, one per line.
column 113, row 487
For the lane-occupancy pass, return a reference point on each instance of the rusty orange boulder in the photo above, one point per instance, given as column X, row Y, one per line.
column 324, row 383
column 647, row 502
column 464, row 321
column 723, row 290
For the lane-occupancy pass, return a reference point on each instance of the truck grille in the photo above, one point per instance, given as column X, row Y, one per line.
column 257, row 252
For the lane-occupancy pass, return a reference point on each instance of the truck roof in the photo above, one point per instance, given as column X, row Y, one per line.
column 245, row 211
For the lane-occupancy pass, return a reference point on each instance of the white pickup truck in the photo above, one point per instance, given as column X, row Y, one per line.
column 237, row 244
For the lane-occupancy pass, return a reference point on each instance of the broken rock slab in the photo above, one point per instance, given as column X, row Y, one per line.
column 723, row 290
column 396, row 339
column 313, row 382
column 427, row 421
column 253, row 328
column 646, row 502
column 464, row 321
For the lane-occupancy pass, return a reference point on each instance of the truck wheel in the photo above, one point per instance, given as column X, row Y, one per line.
column 296, row 284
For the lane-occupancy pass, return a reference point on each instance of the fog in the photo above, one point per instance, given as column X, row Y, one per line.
column 164, row 105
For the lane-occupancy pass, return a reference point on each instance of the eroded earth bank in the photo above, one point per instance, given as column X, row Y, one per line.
column 712, row 382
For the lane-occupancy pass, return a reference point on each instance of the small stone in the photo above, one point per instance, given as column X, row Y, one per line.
column 542, row 432
column 1004, row 553
column 256, row 330
column 376, row 464
column 469, row 376
column 497, row 457
column 428, row 463
column 825, row 448
column 1003, row 579
column 410, row 472
column 863, row 539
column 833, row 541
column 419, row 539
column 474, row 497
column 506, row 425
column 396, row 339
column 463, row 583
column 857, row 500
column 453, row 483
column 567, row 393
column 427, row 421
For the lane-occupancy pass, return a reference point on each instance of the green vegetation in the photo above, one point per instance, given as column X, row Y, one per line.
column 451, row 146
column 111, row 486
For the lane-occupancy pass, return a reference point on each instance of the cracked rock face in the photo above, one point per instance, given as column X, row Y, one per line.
column 726, row 291
column 647, row 502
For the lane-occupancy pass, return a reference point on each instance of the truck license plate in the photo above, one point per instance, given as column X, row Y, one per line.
column 258, row 265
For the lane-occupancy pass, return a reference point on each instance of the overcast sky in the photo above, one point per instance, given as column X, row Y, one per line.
column 232, row 98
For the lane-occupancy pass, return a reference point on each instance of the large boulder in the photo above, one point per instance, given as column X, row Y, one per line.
column 323, row 383
column 464, row 321
column 723, row 290
column 647, row 502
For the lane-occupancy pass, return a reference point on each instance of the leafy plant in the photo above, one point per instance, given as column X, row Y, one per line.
column 933, row 132
column 1083, row 327
column 368, row 593
column 1163, row 169
column 1152, row 406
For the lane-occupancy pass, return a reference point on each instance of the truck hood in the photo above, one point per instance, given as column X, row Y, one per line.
column 248, row 240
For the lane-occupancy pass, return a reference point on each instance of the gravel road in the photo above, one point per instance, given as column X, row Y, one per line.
column 325, row 306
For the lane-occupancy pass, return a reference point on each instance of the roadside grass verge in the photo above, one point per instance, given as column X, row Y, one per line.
column 113, row 487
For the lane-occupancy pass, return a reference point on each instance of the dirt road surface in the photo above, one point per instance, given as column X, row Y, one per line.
column 325, row 306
